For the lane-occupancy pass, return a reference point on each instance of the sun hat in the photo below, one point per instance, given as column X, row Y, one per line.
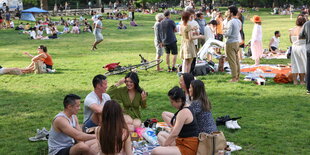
column 256, row 19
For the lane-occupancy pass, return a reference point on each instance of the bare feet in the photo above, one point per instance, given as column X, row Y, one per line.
column 234, row 80
column 302, row 82
column 160, row 69
column 295, row 83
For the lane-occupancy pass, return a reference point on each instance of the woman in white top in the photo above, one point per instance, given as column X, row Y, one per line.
column 299, row 52
column 256, row 41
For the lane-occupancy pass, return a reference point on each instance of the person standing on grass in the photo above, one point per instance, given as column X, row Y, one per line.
column 95, row 101
column 159, row 49
column 66, row 136
column 97, row 32
column 305, row 34
column 188, row 49
column 257, row 40
column 168, row 40
column 299, row 52
column 232, row 44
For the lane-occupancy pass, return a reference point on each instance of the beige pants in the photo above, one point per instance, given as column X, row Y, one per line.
column 232, row 50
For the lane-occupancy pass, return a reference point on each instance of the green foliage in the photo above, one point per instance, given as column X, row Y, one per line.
column 274, row 117
column 33, row 2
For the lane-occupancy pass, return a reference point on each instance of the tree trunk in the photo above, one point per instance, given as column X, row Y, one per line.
column 182, row 4
column 203, row 2
column 44, row 5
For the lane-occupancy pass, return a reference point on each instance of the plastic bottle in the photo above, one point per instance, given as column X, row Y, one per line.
column 150, row 136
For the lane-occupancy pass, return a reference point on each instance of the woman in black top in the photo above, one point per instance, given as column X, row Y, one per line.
column 184, row 132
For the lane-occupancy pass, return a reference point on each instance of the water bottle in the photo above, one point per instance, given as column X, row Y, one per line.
column 150, row 136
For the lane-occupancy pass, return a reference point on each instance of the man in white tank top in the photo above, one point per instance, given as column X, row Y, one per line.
column 274, row 43
column 66, row 136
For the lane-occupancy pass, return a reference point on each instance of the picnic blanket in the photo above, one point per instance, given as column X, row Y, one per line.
column 275, row 56
column 266, row 70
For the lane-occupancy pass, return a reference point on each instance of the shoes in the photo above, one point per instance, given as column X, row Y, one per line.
column 229, row 124
column 41, row 135
column 232, row 124
column 169, row 69
column 308, row 92
column 233, row 147
column 236, row 125
column 221, row 120
column 174, row 69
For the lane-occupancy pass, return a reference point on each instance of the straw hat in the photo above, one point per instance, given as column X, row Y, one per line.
column 256, row 19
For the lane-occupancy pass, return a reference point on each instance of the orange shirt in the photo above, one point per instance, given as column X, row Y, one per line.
column 48, row 60
column 219, row 26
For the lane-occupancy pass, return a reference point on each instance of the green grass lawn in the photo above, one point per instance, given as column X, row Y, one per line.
column 275, row 117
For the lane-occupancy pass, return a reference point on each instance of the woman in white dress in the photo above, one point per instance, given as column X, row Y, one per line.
column 256, row 41
column 299, row 52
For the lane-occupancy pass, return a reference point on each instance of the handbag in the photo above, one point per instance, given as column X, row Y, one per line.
column 211, row 144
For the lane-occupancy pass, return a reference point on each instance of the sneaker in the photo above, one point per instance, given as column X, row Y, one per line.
column 229, row 124
column 308, row 92
column 236, row 125
column 169, row 69
column 233, row 147
column 39, row 136
column 174, row 69
column 46, row 132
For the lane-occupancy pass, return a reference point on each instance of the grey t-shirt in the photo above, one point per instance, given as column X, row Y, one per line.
column 98, row 30
column 167, row 36
column 305, row 34
column 233, row 32
column 90, row 99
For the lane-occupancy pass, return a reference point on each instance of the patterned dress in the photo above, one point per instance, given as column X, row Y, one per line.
column 204, row 118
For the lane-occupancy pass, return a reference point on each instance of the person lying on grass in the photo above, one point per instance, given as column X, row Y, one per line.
column 14, row 71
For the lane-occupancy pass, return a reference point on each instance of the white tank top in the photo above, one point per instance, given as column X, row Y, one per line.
column 275, row 42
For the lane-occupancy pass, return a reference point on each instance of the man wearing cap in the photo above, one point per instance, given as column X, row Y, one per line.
column 168, row 40
column 305, row 34
column 232, row 44
column 97, row 32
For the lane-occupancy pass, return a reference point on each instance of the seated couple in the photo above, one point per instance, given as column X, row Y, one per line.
column 132, row 97
column 66, row 136
column 40, row 63
column 193, row 117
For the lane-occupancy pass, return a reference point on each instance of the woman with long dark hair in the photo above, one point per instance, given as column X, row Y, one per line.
column 202, row 107
column 184, row 132
column 184, row 81
column 36, row 60
column 132, row 96
column 113, row 135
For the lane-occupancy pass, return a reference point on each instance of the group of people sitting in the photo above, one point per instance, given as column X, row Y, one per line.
column 117, row 15
column 113, row 125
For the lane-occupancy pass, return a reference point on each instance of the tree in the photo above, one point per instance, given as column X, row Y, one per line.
column 33, row 2
column 44, row 4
